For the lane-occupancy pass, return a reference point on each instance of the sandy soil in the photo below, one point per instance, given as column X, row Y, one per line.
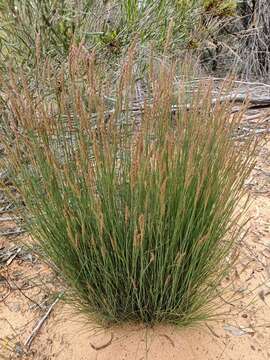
column 244, row 333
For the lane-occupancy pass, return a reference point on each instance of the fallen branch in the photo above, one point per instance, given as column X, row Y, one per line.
column 12, row 232
column 38, row 326
column 251, row 101
column 8, row 218
column 12, row 257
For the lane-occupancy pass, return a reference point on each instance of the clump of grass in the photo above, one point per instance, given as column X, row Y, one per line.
column 136, row 209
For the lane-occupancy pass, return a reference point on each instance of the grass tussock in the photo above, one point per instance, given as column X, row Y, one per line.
column 136, row 209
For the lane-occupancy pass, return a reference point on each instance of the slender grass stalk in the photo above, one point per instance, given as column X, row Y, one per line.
column 139, row 217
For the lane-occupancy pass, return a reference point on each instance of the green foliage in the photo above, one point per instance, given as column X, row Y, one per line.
column 221, row 8
column 137, row 211
column 151, row 19
column 48, row 28
column 45, row 27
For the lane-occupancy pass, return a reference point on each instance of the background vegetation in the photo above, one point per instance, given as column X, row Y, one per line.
column 53, row 25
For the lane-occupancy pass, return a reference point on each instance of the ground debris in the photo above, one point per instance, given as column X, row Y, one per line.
column 39, row 324
column 8, row 254
column 238, row 331
column 103, row 346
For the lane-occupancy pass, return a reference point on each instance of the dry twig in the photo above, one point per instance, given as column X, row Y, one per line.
column 38, row 326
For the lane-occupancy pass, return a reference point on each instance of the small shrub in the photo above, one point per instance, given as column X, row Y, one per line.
column 135, row 208
column 220, row 8
column 48, row 29
column 45, row 28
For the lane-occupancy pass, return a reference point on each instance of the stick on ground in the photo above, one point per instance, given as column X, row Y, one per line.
column 38, row 326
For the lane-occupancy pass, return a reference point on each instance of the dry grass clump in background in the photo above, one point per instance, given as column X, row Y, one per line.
column 241, row 45
column 136, row 209
column 254, row 49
